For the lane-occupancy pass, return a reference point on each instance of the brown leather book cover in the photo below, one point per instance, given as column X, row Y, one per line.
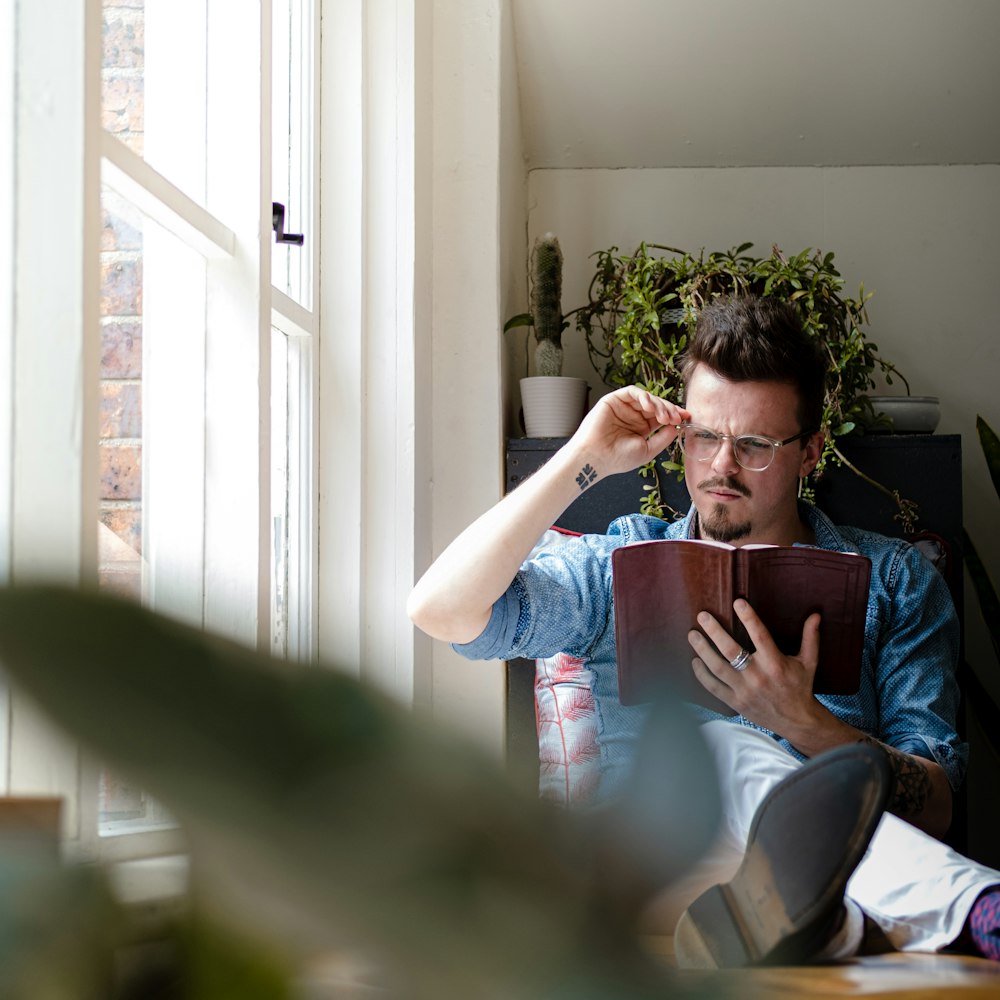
column 659, row 588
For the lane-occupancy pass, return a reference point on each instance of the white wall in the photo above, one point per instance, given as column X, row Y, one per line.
column 920, row 237
column 726, row 83
column 465, row 475
column 924, row 239
column 513, row 215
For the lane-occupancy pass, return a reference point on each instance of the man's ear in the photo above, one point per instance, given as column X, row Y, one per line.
column 811, row 453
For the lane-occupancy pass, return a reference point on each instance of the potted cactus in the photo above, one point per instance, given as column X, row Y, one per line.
column 553, row 404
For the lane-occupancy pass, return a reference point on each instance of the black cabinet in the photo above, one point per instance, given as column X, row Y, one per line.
column 925, row 468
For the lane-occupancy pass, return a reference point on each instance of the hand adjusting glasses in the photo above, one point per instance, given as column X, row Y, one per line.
column 754, row 452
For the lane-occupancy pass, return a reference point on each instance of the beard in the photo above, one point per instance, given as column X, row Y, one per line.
column 717, row 523
column 718, row 526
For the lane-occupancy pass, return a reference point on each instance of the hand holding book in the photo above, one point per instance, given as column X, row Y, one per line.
column 769, row 687
column 660, row 588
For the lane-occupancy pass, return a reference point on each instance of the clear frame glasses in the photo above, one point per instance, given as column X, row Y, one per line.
column 753, row 452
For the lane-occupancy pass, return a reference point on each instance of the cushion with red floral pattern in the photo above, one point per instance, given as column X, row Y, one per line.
column 565, row 720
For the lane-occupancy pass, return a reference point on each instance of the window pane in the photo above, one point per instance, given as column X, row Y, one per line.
column 292, row 108
column 153, row 85
column 279, row 493
column 120, row 529
column 291, row 496
column 151, row 439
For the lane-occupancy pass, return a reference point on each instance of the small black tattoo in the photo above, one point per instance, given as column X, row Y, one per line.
column 913, row 783
column 587, row 475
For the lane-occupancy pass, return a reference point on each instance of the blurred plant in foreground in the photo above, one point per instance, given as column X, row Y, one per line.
column 324, row 818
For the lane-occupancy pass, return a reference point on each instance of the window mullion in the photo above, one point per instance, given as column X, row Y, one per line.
column 161, row 201
column 293, row 317
column 289, row 317
column 7, row 202
column 56, row 327
column 7, row 258
column 53, row 497
column 341, row 358
column 237, row 377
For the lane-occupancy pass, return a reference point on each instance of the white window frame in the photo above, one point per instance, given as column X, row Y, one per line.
column 300, row 324
column 7, row 236
column 48, row 524
column 410, row 375
column 53, row 492
column 300, row 329
column 375, row 288
column 378, row 517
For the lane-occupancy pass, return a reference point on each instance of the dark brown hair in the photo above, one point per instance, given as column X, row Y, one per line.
column 744, row 338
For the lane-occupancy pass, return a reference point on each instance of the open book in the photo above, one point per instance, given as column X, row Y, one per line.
column 659, row 588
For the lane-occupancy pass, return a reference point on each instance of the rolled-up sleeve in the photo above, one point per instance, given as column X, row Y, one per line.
column 560, row 601
column 918, row 691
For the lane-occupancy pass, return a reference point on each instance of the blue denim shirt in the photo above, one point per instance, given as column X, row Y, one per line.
column 561, row 601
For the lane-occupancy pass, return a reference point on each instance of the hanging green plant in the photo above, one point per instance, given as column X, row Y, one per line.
column 643, row 307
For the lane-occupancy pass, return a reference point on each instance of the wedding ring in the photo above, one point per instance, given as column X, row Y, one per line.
column 740, row 661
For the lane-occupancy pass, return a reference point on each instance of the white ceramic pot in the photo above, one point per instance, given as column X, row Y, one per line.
column 553, row 405
column 909, row 414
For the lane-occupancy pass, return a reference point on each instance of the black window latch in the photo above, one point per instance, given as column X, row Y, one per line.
column 278, row 225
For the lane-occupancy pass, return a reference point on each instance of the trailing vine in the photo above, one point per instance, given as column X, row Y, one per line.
column 642, row 308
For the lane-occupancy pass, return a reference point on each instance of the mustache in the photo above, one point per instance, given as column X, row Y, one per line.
column 724, row 482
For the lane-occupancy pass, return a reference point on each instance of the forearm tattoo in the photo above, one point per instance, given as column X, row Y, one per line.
column 913, row 784
column 586, row 476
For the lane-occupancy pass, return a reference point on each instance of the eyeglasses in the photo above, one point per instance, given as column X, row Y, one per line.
column 753, row 452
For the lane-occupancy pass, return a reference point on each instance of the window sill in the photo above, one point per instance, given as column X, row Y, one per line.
column 156, row 885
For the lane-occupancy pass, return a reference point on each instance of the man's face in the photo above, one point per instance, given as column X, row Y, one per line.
column 736, row 505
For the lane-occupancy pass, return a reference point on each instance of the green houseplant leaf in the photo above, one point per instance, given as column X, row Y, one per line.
column 635, row 332
column 986, row 592
column 991, row 450
column 521, row 319
column 344, row 820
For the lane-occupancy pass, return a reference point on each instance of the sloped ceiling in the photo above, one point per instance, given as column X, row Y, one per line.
column 661, row 83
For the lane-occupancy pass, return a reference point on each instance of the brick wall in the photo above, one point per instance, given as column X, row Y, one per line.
column 120, row 547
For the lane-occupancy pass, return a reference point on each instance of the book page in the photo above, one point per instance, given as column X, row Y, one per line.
column 785, row 585
column 657, row 600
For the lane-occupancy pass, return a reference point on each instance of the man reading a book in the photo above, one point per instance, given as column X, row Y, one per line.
column 749, row 429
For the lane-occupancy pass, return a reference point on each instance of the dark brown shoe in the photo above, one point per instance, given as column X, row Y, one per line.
column 808, row 835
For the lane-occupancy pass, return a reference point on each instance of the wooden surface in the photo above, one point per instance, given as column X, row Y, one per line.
column 897, row 975
column 30, row 823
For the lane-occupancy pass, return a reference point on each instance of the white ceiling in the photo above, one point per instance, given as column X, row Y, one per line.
column 684, row 83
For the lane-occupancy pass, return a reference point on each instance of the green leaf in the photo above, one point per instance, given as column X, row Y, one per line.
column 627, row 289
column 991, row 450
column 60, row 925
column 989, row 603
column 221, row 965
column 360, row 818
column 521, row 319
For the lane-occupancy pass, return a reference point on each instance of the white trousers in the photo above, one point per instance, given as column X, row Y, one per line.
column 917, row 889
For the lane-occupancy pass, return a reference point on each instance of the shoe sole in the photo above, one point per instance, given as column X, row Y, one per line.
column 807, row 837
